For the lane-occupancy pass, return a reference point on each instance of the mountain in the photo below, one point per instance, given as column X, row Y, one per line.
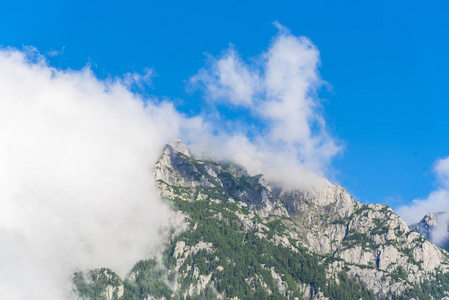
column 246, row 238
column 435, row 227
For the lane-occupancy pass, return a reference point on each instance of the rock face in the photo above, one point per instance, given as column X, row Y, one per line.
column 251, row 239
column 425, row 226
column 435, row 227
column 369, row 241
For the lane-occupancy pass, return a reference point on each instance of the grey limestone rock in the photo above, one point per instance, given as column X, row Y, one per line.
column 374, row 243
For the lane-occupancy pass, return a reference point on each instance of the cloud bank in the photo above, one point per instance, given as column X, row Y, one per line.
column 76, row 187
column 77, row 154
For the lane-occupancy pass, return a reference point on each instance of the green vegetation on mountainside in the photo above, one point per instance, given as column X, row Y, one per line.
column 229, row 251
column 244, row 255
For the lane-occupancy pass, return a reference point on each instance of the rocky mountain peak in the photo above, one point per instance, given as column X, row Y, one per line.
column 249, row 238
column 435, row 227
column 428, row 221
column 371, row 239
column 179, row 146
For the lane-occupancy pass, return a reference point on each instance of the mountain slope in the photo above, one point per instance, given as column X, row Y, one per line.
column 247, row 238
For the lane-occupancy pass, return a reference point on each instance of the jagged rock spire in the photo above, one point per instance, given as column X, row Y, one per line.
column 179, row 146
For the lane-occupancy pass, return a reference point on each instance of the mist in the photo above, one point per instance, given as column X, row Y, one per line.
column 436, row 202
column 439, row 233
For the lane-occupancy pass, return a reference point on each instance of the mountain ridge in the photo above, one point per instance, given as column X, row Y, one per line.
column 314, row 244
column 434, row 227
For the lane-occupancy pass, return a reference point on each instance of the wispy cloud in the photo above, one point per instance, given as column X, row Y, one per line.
column 442, row 171
column 139, row 80
column 53, row 53
column 437, row 201
column 228, row 79
column 77, row 153
column 279, row 88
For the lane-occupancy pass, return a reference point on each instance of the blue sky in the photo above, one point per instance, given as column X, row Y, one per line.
column 386, row 62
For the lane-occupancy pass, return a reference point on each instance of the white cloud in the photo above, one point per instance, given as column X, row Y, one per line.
column 139, row 80
column 437, row 201
column 53, row 53
column 442, row 171
column 279, row 88
column 76, row 156
column 228, row 79
column 439, row 234
column 278, row 165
